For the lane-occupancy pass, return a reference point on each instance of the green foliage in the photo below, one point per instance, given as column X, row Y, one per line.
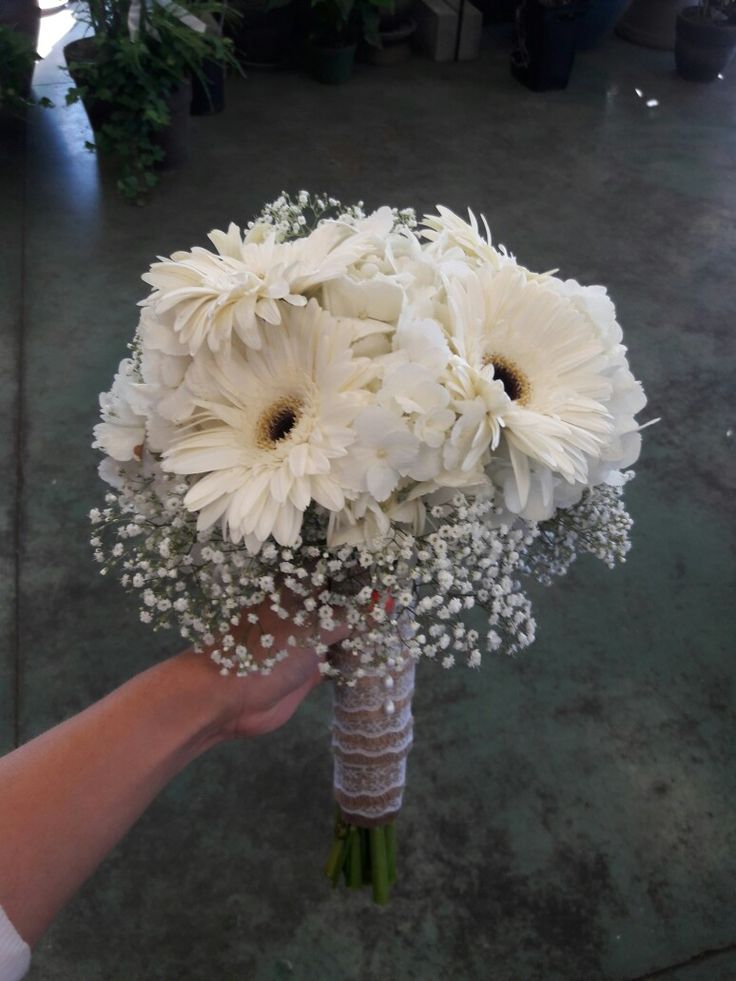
column 17, row 58
column 127, row 84
column 342, row 22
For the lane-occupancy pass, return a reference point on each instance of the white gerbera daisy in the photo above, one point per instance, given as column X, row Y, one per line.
column 205, row 297
column 269, row 427
column 550, row 360
column 480, row 402
column 448, row 233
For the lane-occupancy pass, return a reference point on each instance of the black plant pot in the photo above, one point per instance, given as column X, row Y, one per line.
column 395, row 17
column 264, row 38
column 651, row 23
column 84, row 51
column 703, row 48
column 208, row 93
column 331, row 65
column 174, row 138
column 544, row 51
column 597, row 22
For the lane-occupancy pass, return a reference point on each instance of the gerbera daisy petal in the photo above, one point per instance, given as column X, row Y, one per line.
column 548, row 359
column 265, row 434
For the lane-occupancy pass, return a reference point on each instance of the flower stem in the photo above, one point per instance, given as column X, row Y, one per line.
column 338, row 852
column 355, row 860
column 390, row 832
column 365, row 842
column 364, row 857
column 379, row 865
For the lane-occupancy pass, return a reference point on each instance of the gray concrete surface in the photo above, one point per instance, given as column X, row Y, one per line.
column 569, row 815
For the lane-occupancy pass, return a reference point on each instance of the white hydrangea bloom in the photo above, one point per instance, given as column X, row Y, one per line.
column 384, row 451
column 123, row 409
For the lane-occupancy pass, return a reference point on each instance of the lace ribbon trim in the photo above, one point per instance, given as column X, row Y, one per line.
column 371, row 737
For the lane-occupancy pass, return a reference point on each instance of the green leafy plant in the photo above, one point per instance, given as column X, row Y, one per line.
column 127, row 84
column 341, row 22
column 17, row 58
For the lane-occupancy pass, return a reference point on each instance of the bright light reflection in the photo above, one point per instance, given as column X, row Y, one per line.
column 54, row 27
column 63, row 131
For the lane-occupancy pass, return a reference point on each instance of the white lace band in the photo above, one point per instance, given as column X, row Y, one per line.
column 371, row 738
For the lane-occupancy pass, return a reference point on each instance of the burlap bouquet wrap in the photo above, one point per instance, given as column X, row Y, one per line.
column 371, row 738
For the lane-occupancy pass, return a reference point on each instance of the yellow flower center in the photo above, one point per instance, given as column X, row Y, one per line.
column 277, row 421
column 515, row 383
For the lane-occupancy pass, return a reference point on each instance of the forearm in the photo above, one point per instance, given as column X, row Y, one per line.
column 69, row 795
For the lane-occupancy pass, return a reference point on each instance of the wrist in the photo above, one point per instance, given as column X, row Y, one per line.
column 204, row 695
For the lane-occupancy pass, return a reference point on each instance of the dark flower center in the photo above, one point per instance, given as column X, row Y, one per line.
column 514, row 381
column 277, row 421
column 281, row 424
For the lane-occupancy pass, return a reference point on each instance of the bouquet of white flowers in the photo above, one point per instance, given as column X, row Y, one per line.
column 345, row 418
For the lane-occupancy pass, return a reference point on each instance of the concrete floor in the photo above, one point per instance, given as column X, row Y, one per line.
column 567, row 817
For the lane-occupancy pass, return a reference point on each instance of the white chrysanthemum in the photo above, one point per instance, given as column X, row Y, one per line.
column 270, row 426
column 550, row 361
column 122, row 430
column 205, row 297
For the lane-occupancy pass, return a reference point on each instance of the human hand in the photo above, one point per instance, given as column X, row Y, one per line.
column 257, row 704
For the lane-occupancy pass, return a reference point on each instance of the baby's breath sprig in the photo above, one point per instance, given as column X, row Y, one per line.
column 405, row 596
column 599, row 524
column 297, row 217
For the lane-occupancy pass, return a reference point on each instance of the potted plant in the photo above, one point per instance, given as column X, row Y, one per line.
column 17, row 59
column 336, row 27
column 208, row 84
column 264, row 33
column 598, row 21
column 544, row 50
column 19, row 20
column 133, row 76
column 706, row 39
column 651, row 23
